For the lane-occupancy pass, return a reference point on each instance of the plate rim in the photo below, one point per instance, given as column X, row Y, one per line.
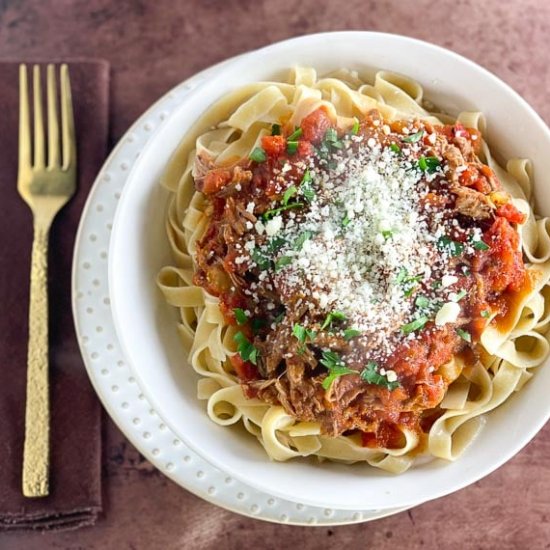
column 535, row 428
column 105, row 398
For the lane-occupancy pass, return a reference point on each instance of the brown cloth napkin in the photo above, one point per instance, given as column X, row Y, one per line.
column 75, row 464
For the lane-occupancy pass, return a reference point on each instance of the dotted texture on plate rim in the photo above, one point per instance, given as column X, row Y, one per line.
column 112, row 376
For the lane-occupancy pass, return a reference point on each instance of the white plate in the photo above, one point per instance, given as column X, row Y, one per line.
column 113, row 378
column 146, row 326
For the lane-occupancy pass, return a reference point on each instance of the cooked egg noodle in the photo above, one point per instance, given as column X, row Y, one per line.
column 229, row 131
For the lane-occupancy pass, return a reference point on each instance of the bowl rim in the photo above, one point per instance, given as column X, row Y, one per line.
column 121, row 404
column 512, row 96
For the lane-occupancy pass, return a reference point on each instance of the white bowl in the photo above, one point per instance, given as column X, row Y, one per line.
column 146, row 325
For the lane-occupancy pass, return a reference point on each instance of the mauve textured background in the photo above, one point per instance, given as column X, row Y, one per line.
column 154, row 45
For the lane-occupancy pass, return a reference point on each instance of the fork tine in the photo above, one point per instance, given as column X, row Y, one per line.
column 53, row 123
column 38, row 120
column 67, row 120
column 24, row 122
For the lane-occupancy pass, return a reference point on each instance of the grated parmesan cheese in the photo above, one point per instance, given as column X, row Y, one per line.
column 273, row 226
column 367, row 242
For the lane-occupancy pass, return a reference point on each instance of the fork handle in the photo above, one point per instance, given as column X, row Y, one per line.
column 36, row 453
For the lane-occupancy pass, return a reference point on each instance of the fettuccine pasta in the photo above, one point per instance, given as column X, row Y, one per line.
column 357, row 278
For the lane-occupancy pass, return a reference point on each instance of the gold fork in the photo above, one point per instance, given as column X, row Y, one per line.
column 45, row 188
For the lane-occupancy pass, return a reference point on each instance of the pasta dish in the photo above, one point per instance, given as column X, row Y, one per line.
column 357, row 278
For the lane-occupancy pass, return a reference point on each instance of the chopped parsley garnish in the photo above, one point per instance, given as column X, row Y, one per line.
column 257, row 324
column 371, row 375
column 289, row 193
column 329, row 141
column 426, row 306
column 335, row 366
column 422, row 302
column 454, row 248
column 308, row 192
column 428, row 164
column 415, row 325
column 295, row 135
column 323, row 150
column 387, row 233
column 260, row 259
column 306, row 188
column 401, row 276
column 407, row 282
column 395, row 148
column 350, row 333
column 409, row 291
column 459, row 295
column 306, row 178
column 240, row 315
column 346, row 221
column 413, row 138
column 331, row 360
column 333, row 316
column 480, row 245
column 258, row 155
column 282, row 261
column 355, row 127
column 331, row 135
column 245, row 348
column 301, row 239
column 291, row 147
column 275, row 129
column 275, row 244
column 466, row 336
column 302, row 333
column 270, row 213
column 486, row 314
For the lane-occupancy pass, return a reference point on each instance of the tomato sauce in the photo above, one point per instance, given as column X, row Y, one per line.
column 494, row 278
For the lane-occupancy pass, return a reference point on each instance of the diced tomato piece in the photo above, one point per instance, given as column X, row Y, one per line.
column 272, row 189
column 460, row 131
column 492, row 180
column 274, row 146
column 315, row 125
column 471, row 134
column 447, row 131
column 305, row 148
column 475, row 139
column 477, row 326
column 468, row 177
column 487, row 171
column 245, row 369
column 431, row 394
column 398, row 125
column 228, row 303
column 502, row 265
column 368, row 439
column 387, row 435
column 511, row 213
column 435, row 200
column 472, row 178
column 215, row 180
